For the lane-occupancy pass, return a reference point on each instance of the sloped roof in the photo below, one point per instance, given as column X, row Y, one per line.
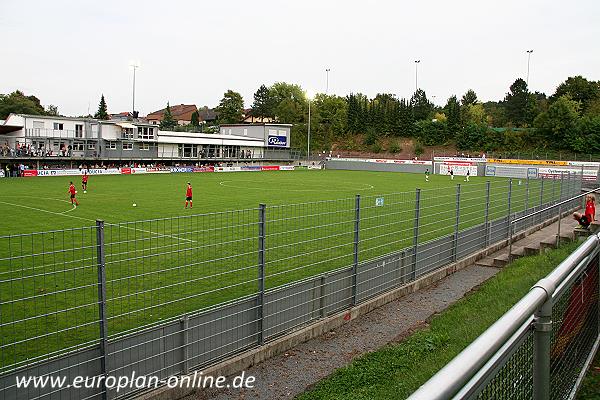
column 181, row 112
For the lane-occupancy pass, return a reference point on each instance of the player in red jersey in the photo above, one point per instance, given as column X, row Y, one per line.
column 84, row 180
column 188, row 195
column 590, row 212
column 73, row 192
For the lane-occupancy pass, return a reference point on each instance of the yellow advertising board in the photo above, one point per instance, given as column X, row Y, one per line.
column 526, row 162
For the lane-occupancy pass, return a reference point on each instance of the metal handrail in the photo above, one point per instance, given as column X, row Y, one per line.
column 554, row 205
column 458, row 372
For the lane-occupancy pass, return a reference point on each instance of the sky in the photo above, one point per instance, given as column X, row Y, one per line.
column 68, row 53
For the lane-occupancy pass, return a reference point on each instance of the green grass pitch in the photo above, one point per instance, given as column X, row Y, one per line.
column 179, row 261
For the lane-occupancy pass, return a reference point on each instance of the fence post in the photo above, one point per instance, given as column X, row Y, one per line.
column 562, row 180
column 541, row 199
column 261, row 272
column 559, row 218
column 416, row 232
column 542, row 336
column 509, row 205
column 185, row 323
column 526, row 195
column 456, row 223
column 102, row 319
column 487, row 213
column 356, row 241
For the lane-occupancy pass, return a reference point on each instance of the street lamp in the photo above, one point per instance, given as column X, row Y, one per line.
column 134, row 65
column 327, row 80
column 417, row 74
column 528, row 60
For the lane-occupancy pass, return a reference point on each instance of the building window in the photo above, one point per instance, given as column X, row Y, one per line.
column 127, row 146
column 146, row 133
column 145, row 146
column 187, row 150
column 58, row 126
column 245, row 131
column 78, row 146
column 127, row 133
column 78, row 130
column 91, row 146
column 111, row 145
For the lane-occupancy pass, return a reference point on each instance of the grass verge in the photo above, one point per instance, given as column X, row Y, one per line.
column 395, row 371
column 590, row 387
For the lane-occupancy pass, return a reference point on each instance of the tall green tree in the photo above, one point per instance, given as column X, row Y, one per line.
column 289, row 102
column 102, row 112
column 231, row 108
column 469, row 98
column 168, row 123
column 52, row 110
column 16, row 102
column 195, row 119
column 453, row 115
column 422, row 107
column 516, row 103
column 578, row 89
column 559, row 124
column 264, row 103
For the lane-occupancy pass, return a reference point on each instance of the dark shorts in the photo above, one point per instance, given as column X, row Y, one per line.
column 72, row 196
column 584, row 221
column 84, row 182
column 188, row 198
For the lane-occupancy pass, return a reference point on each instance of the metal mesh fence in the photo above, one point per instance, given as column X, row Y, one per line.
column 575, row 329
column 163, row 296
column 514, row 380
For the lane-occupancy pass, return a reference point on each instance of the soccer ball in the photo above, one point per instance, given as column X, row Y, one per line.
column 135, row 205
column 85, row 191
column 76, row 192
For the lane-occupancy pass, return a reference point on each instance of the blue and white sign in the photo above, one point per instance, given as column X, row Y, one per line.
column 379, row 202
column 277, row 141
column 490, row 170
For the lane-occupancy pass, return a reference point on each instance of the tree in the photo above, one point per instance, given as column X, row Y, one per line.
column 52, row 110
column 452, row 110
column 579, row 89
column 328, row 120
column 422, row 108
column 102, row 112
column 469, row 98
column 474, row 113
column 168, row 123
column 18, row 103
column 231, row 108
column 516, row 103
column 289, row 102
column 263, row 106
column 195, row 119
column 559, row 124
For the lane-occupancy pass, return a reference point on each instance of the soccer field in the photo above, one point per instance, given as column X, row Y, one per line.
column 177, row 261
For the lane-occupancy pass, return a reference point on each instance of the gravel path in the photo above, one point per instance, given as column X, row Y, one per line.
column 287, row 375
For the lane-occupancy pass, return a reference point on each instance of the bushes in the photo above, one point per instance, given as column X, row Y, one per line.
column 395, row 147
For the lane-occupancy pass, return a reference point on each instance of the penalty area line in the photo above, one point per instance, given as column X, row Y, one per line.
column 62, row 214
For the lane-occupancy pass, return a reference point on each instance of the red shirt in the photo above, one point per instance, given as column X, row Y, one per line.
column 188, row 193
column 72, row 189
column 590, row 210
column 85, row 178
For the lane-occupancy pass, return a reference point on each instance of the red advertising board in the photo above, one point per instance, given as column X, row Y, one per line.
column 126, row 171
column 30, row 172
column 269, row 168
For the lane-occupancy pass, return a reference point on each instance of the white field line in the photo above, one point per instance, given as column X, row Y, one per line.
column 88, row 219
column 224, row 184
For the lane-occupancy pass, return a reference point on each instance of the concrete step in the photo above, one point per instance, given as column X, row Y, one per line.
column 486, row 262
column 532, row 250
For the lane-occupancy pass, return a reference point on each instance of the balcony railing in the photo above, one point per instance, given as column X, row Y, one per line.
column 60, row 134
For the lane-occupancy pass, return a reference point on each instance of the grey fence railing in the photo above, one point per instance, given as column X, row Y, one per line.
column 542, row 347
column 166, row 296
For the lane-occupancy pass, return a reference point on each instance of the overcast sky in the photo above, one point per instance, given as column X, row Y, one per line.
column 68, row 53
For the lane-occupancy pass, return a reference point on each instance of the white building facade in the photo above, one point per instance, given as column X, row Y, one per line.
column 27, row 136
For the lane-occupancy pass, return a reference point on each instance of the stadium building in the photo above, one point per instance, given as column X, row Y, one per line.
column 55, row 140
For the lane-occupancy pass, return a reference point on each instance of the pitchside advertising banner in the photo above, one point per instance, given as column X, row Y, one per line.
column 380, row 160
column 458, row 168
column 152, row 170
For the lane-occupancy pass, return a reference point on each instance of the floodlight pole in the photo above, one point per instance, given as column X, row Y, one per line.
column 308, row 144
column 134, row 66
column 417, row 75
column 528, row 60
column 327, row 80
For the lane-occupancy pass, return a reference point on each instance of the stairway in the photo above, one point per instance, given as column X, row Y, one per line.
column 535, row 243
